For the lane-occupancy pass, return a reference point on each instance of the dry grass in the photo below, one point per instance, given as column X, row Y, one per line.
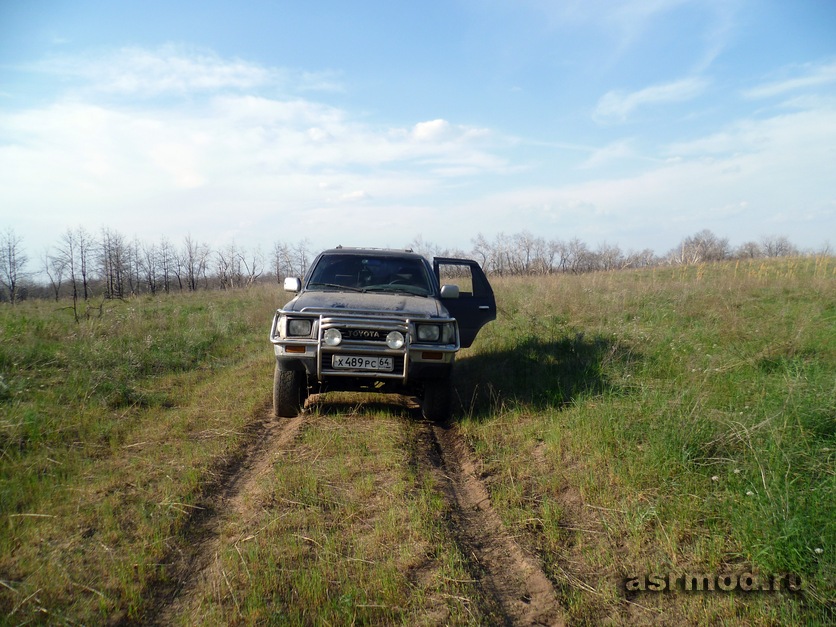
column 693, row 431
column 665, row 421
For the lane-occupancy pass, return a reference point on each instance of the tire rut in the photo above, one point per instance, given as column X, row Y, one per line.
column 508, row 576
column 193, row 562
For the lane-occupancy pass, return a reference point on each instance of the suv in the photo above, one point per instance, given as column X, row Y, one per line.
column 377, row 321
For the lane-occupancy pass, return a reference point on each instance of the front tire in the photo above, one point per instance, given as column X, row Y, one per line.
column 288, row 392
column 437, row 400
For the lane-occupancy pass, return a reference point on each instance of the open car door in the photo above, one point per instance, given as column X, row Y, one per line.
column 475, row 306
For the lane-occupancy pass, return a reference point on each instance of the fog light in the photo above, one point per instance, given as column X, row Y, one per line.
column 394, row 340
column 332, row 337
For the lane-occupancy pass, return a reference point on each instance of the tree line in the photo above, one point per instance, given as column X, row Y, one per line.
column 526, row 254
column 82, row 264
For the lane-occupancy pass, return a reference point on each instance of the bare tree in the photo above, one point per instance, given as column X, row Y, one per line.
column 282, row 261
column 544, row 254
column 84, row 246
column 302, row 255
column 500, row 255
column 113, row 259
column 54, row 267
column 778, row 246
column 167, row 260
column 579, row 256
column 424, row 248
column 481, row 250
column 149, row 265
column 254, row 267
column 699, row 248
column 12, row 264
column 749, row 250
column 609, row 257
column 225, row 261
column 640, row 259
column 68, row 254
column 193, row 261
column 523, row 245
column 135, row 279
column 561, row 252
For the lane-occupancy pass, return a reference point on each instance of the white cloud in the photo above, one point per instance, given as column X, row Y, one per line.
column 812, row 76
column 627, row 23
column 431, row 131
column 618, row 105
column 752, row 174
column 139, row 71
column 237, row 154
column 231, row 155
column 170, row 69
column 611, row 152
column 356, row 195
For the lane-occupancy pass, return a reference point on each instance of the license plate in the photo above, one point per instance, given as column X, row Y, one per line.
column 358, row 362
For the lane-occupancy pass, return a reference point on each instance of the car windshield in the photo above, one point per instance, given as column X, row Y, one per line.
column 369, row 273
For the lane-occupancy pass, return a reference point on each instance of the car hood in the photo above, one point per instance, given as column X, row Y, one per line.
column 377, row 302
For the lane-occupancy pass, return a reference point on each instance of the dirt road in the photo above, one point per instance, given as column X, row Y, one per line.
column 508, row 579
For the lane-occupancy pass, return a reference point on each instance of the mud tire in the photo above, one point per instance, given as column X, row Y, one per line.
column 436, row 402
column 289, row 388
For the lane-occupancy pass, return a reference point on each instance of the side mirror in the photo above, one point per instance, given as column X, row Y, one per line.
column 292, row 284
column 449, row 291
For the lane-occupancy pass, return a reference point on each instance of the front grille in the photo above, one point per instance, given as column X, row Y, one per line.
column 363, row 328
column 363, row 335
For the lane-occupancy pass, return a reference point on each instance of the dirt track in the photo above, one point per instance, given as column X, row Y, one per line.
column 234, row 495
column 510, row 580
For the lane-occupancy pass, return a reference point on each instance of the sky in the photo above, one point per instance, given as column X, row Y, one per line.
column 374, row 123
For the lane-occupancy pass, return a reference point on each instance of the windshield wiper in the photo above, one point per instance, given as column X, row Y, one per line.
column 398, row 289
column 337, row 287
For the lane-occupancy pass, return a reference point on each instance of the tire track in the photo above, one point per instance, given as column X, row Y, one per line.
column 513, row 579
column 194, row 562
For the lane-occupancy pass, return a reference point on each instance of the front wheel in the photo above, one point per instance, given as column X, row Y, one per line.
column 437, row 400
column 288, row 392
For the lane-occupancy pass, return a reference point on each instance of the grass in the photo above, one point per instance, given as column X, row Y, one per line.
column 350, row 531
column 681, row 421
column 676, row 420
column 110, row 431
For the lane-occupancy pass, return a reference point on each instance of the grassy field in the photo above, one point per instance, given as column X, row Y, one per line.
column 664, row 422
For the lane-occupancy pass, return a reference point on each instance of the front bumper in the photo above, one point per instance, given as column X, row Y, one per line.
column 415, row 360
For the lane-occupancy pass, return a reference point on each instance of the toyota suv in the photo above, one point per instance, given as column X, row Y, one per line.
column 374, row 320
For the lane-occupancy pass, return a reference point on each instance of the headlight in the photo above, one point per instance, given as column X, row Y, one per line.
column 394, row 340
column 429, row 332
column 299, row 327
column 332, row 337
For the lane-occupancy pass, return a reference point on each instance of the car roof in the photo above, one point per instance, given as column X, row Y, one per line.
column 381, row 252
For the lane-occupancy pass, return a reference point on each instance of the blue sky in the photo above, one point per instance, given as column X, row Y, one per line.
column 373, row 123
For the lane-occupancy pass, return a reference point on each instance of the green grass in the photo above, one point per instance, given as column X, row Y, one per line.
column 683, row 420
column 109, row 433
column 676, row 420
column 350, row 531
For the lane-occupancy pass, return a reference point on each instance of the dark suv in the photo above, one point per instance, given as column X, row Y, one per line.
column 377, row 321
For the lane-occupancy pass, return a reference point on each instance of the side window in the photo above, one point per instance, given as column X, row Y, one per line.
column 456, row 274
column 470, row 285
